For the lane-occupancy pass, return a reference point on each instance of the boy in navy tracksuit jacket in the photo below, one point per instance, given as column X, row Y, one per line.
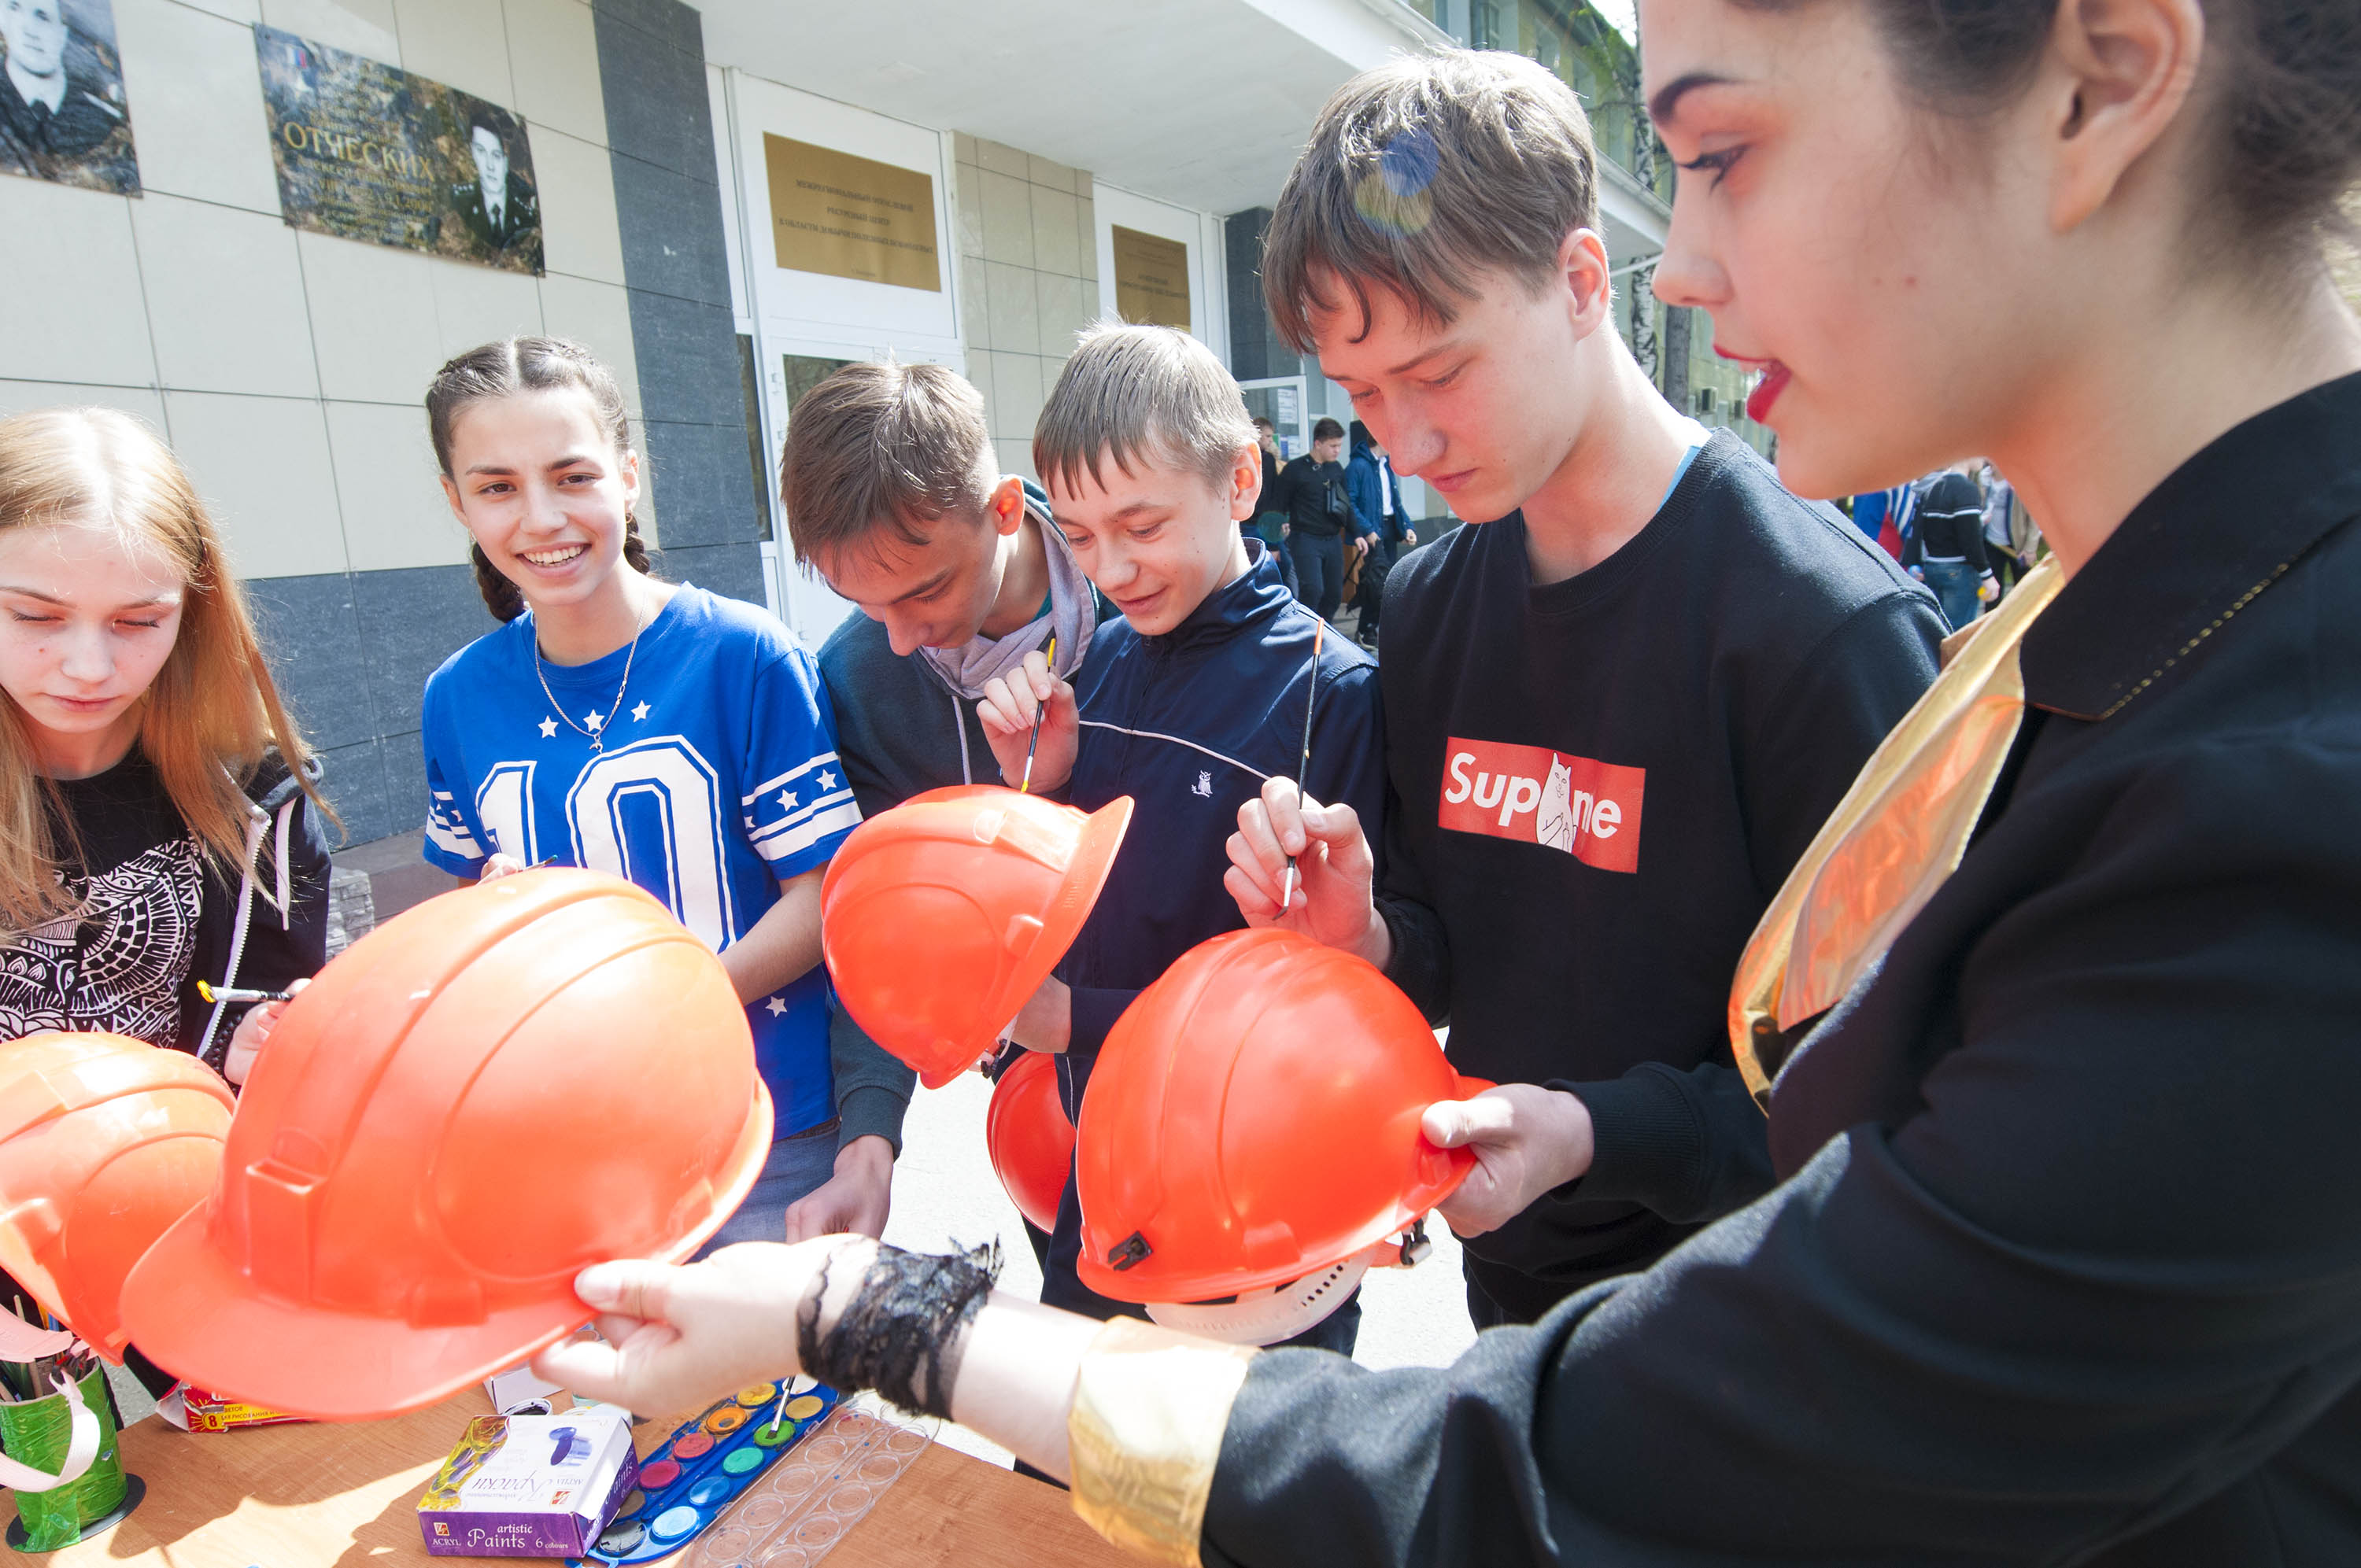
column 1189, row 702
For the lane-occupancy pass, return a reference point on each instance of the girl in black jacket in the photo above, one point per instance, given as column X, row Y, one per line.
column 159, row 825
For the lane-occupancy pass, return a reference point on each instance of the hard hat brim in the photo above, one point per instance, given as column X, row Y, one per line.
column 1147, row 1283
column 207, row 1321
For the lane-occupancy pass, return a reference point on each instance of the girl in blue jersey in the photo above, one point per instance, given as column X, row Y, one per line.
column 650, row 729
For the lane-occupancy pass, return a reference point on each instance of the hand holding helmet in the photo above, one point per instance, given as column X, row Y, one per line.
column 677, row 1336
column 1250, row 1142
column 467, row 1106
column 1526, row 1140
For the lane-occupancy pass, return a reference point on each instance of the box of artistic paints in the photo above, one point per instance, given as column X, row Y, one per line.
column 530, row 1486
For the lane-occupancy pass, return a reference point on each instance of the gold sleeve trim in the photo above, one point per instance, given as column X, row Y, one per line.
column 1150, row 1406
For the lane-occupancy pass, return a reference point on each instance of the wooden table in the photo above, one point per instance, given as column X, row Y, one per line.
column 308, row 1497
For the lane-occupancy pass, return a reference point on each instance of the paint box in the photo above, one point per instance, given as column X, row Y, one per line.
column 530, row 1486
column 696, row 1476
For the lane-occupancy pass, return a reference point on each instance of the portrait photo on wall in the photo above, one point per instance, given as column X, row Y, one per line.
column 62, row 113
column 368, row 151
column 498, row 212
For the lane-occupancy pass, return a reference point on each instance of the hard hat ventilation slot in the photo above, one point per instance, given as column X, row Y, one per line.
column 1130, row 1252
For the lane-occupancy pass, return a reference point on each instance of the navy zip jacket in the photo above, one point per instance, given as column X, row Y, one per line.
column 1189, row 725
column 900, row 731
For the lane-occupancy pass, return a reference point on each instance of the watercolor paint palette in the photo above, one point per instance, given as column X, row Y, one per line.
column 708, row 1463
column 807, row 1503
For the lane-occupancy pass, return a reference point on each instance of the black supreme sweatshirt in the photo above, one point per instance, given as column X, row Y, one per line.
column 1600, row 783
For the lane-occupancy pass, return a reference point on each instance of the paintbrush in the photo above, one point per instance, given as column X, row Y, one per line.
column 1039, row 713
column 234, row 993
column 1287, row 884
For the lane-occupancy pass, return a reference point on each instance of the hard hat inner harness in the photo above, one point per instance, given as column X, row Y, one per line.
column 911, row 1311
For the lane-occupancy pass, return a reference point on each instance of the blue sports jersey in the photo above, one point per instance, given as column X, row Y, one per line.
column 719, row 780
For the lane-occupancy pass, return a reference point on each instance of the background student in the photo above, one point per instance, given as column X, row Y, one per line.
column 1645, row 672
column 1197, row 695
column 633, row 726
column 157, row 806
column 893, row 497
column 1319, row 512
column 1269, row 523
column 1946, row 548
column 1384, row 519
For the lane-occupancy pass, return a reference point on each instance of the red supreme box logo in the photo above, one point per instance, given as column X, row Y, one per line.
column 1590, row 809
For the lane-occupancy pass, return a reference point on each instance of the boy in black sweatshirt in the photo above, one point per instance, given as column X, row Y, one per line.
column 1648, row 673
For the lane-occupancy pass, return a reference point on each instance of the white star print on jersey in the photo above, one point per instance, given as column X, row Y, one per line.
column 707, row 809
column 597, row 721
column 640, row 713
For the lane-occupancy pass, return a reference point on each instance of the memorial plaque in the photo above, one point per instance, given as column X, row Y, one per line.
column 1151, row 279
column 62, row 114
column 845, row 216
column 368, row 151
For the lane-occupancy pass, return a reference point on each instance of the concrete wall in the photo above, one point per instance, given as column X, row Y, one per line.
column 1029, row 281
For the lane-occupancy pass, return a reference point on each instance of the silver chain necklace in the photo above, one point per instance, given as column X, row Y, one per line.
column 596, row 730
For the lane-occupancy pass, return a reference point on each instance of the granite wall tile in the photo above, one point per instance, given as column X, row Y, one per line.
column 656, row 103
column 404, row 760
column 671, row 233
column 704, row 484
column 733, row 570
column 687, row 355
column 353, row 778
column 410, row 621
column 311, row 635
column 668, row 21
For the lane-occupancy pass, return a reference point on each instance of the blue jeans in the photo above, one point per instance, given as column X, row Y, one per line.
column 1319, row 570
column 1954, row 583
column 799, row 1165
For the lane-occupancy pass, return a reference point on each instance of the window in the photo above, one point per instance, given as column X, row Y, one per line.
column 754, row 453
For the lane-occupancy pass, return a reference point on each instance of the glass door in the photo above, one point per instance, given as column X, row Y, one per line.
column 1283, row 401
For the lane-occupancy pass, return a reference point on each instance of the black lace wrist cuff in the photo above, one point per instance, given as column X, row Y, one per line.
column 907, row 1318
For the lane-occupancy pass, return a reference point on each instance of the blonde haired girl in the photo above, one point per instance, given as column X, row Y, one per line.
column 158, row 822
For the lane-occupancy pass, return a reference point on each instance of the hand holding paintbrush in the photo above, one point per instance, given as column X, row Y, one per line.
column 1288, row 841
column 1030, row 721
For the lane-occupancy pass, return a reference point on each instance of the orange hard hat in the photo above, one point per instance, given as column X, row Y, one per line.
column 1031, row 1137
column 104, row 1142
column 1253, row 1120
column 469, row 1105
column 940, row 918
